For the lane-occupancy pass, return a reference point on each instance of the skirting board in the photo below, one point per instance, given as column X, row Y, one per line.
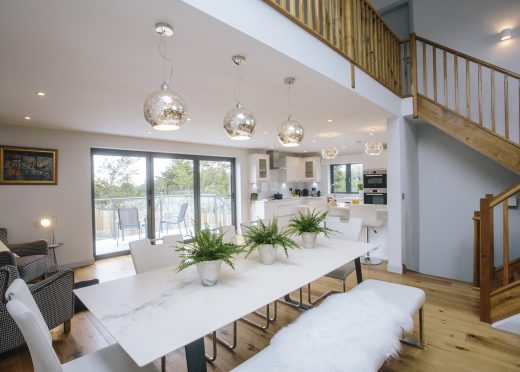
column 74, row 265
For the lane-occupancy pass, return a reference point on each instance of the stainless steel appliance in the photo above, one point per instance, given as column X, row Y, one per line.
column 374, row 179
column 375, row 196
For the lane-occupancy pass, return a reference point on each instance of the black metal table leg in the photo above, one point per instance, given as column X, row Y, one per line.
column 359, row 273
column 196, row 356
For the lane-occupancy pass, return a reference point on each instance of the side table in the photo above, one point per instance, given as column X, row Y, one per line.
column 53, row 247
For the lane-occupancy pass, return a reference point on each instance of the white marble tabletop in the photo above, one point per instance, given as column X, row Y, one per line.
column 157, row 312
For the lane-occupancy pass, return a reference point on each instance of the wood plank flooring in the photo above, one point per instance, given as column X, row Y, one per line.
column 455, row 338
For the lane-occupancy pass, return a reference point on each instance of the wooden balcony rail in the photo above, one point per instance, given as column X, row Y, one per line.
column 486, row 95
column 355, row 30
column 484, row 247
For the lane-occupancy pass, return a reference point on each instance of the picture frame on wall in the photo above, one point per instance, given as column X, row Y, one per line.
column 28, row 166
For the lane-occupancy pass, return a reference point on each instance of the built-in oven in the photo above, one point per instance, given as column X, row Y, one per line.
column 374, row 179
column 375, row 196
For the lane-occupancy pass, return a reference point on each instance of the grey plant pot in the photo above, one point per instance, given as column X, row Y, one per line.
column 267, row 254
column 309, row 239
column 208, row 272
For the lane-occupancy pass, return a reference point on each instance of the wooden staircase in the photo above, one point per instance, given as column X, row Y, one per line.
column 499, row 284
column 437, row 73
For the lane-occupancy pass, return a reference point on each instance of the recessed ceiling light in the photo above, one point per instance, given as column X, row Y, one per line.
column 344, row 147
column 41, row 94
column 272, row 147
column 313, row 141
column 149, row 132
column 27, row 117
column 304, row 150
column 371, row 133
column 265, row 132
column 330, row 120
column 189, row 119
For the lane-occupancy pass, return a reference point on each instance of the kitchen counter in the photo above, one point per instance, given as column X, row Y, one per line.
column 301, row 199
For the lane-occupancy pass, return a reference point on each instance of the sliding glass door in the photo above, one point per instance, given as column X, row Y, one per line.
column 216, row 193
column 119, row 205
column 140, row 194
column 174, row 196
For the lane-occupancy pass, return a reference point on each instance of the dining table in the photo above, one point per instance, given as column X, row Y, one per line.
column 154, row 313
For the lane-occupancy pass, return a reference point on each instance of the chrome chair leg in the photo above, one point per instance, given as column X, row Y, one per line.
column 297, row 304
column 323, row 296
column 417, row 343
column 227, row 345
column 266, row 317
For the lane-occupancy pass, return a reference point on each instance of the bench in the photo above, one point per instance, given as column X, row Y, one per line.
column 353, row 331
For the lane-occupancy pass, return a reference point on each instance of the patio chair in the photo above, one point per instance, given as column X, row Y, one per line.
column 175, row 220
column 129, row 220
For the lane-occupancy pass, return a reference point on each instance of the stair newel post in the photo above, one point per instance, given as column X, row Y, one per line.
column 486, row 257
column 413, row 60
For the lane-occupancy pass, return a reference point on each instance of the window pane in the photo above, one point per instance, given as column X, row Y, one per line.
column 215, row 193
column 119, row 202
column 174, row 196
column 339, row 176
column 356, row 177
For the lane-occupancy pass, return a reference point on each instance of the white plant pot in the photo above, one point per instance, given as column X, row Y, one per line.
column 208, row 272
column 309, row 239
column 267, row 254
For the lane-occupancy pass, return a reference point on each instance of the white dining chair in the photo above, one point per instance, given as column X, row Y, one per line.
column 229, row 234
column 23, row 309
column 349, row 230
column 146, row 256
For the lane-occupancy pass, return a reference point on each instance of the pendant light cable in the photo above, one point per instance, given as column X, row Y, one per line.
column 240, row 76
column 162, row 52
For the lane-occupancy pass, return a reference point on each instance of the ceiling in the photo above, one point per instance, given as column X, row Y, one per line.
column 98, row 60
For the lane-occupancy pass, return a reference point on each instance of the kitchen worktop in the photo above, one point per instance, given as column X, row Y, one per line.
column 301, row 198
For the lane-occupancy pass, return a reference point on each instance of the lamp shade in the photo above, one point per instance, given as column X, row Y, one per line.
column 164, row 109
column 329, row 152
column 373, row 148
column 290, row 133
column 45, row 222
column 239, row 123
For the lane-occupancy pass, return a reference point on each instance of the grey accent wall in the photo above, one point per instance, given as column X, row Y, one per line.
column 451, row 179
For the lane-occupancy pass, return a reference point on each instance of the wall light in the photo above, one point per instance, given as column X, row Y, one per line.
column 50, row 223
column 505, row 34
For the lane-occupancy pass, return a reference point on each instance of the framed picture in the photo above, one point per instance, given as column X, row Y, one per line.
column 28, row 166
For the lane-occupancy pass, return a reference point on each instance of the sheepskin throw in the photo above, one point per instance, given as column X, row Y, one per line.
column 348, row 332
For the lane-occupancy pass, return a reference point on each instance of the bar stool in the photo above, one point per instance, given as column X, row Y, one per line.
column 370, row 220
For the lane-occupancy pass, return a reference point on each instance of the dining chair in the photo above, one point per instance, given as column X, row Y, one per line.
column 229, row 234
column 147, row 257
column 175, row 220
column 349, row 230
column 23, row 309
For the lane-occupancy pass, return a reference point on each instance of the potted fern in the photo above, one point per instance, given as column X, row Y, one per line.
column 207, row 251
column 266, row 238
column 308, row 225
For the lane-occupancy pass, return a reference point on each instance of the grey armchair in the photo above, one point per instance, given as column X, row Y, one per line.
column 53, row 296
column 33, row 260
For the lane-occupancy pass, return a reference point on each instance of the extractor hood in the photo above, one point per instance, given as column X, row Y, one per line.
column 277, row 160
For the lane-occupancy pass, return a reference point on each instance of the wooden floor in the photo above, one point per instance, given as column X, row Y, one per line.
column 455, row 338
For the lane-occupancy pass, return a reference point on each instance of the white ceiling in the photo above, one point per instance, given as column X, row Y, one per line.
column 98, row 60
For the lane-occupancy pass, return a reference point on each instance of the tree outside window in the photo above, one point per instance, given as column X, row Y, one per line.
column 346, row 178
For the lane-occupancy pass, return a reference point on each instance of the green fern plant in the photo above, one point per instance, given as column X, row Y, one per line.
column 207, row 246
column 310, row 222
column 262, row 233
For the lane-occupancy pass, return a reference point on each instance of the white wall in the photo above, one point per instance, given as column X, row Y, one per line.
column 452, row 179
column 472, row 27
column 70, row 201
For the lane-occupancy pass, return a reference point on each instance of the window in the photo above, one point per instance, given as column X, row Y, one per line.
column 345, row 178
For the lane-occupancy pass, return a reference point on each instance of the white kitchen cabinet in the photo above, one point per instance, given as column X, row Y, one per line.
column 258, row 168
column 283, row 209
column 311, row 169
column 293, row 170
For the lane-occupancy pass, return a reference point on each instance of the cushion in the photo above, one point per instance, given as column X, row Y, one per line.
column 4, row 247
column 32, row 267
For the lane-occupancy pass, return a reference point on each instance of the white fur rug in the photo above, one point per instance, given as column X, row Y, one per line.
column 352, row 332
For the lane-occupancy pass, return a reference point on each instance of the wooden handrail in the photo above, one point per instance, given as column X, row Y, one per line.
column 504, row 195
column 470, row 58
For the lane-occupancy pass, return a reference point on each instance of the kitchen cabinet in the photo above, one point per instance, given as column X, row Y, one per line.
column 284, row 209
column 258, row 168
column 311, row 169
column 293, row 170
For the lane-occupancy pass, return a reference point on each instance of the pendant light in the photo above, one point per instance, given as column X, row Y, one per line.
column 164, row 109
column 239, row 122
column 329, row 152
column 373, row 148
column 290, row 133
